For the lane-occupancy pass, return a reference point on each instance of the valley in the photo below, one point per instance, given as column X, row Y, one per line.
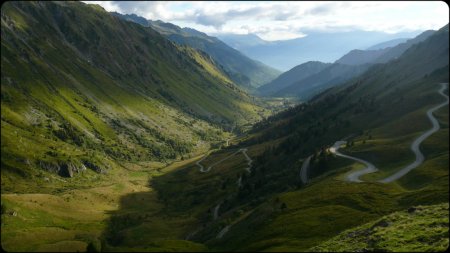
column 125, row 134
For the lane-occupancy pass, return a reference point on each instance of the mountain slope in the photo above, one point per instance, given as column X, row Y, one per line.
column 348, row 66
column 402, row 47
column 380, row 113
column 83, row 89
column 268, row 208
column 358, row 57
column 389, row 43
column 421, row 228
column 295, row 74
column 241, row 69
column 330, row 76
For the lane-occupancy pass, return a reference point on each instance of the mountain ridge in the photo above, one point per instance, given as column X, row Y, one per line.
column 247, row 72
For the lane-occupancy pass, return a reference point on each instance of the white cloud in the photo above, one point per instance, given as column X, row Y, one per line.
column 284, row 20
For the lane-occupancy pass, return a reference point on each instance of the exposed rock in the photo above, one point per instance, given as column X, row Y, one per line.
column 66, row 170
column 63, row 169
column 94, row 167
column 50, row 167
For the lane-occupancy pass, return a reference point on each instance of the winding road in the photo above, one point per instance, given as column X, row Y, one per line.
column 304, row 170
column 242, row 150
column 353, row 177
column 415, row 147
column 217, row 207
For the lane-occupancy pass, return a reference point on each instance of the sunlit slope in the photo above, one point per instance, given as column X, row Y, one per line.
column 421, row 228
column 83, row 89
column 245, row 72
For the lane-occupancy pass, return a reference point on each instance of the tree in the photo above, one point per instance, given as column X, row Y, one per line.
column 94, row 246
column 283, row 206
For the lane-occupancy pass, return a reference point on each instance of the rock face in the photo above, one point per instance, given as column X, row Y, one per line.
column 66, row 169
column 94, row 167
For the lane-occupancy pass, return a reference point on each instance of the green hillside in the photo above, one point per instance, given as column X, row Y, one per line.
column 270, row 209
column 114, row 138
column 247, row 73
column 381, row 112
column 83, row 89
column 421, row 228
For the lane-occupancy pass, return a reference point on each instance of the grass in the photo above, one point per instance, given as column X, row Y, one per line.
column 422, row 230
column 315, row 213
column 138, row 132
column 388, row 147
column 45, row 222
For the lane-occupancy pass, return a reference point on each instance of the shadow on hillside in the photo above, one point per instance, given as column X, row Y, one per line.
column 180, row 202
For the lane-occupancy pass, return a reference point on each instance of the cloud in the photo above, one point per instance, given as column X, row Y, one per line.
column 321, row 9
column 217, row 20
column 282, row 20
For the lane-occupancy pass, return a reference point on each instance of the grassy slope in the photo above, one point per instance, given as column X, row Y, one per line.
column 44, row 220
column 330, row 204
column 64, row 95
column 425, row 229
column 247, row 73
column 316, row 213
column 126, row 100
column 311, row 215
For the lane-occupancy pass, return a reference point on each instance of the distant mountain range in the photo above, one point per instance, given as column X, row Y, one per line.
column 244, row 71
column 303, row 83
column 389, row 43
column 293, row 75
column 316, row 46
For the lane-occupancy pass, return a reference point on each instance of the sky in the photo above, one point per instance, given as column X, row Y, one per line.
column 278, row 20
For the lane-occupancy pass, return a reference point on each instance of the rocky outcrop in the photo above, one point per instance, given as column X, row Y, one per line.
column 94, row 167
column 64, row 169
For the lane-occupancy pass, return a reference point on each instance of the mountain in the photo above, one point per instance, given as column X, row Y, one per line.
column 113, row 140
column 330, row 76
column 244, row 71
column 242, row 40
column 389, row 43
column 315, row 46
column 84, row 89
column 402, row 47
column 295, row 74
column 348, row 66
column 358, row 57
column 380, row 113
